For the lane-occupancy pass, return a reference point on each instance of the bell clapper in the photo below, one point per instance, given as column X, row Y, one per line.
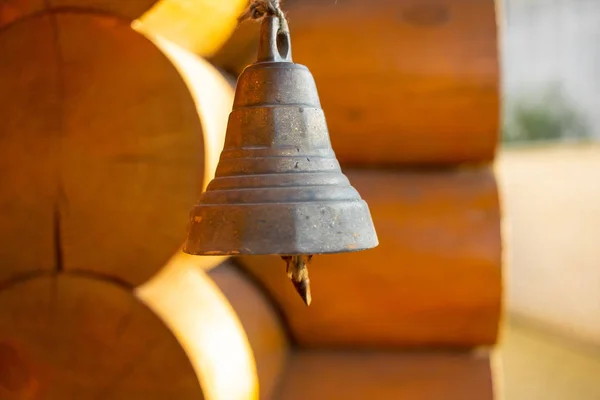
column 297, row 272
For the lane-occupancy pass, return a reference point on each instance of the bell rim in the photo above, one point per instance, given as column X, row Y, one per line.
column 291, row 228
column 249, row 254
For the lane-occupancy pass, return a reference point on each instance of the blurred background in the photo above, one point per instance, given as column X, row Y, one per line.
column 547, row 168
column 469, row 127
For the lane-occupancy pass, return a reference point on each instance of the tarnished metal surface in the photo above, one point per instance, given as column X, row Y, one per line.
column 278, row 187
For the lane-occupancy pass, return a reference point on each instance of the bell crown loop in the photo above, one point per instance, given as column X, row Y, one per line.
column 274, row 44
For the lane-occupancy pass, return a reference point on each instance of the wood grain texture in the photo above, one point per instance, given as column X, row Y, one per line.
column 73, row 337
column 401, row 82
column 104, row 151
column 434, row 279
column 29, row 136
column 364, row 375
column 263, row 327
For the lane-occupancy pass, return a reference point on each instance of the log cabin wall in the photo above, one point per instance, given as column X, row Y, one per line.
column 102, row 153
column 106, row 142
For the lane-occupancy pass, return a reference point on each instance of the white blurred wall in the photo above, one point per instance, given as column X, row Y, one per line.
column 551, row 208
column 553, row 41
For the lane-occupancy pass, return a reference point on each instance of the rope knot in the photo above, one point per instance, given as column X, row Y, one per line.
column 258, row 9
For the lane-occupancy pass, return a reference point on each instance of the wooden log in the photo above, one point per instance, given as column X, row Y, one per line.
column 75, row 337
column 200, row 26
column 262, row 325
column 103, row 153
column 132, row 150
column 401, row 81
column 13, row 10
column 29, row 137
column 434, row 279
column 213, row 93
column 225, row 357
column 391, row 375
column 128, row 10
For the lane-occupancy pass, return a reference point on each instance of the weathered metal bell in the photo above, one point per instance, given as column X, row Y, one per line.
column 278, row 187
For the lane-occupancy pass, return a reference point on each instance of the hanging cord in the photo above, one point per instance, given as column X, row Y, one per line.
column 258, row 9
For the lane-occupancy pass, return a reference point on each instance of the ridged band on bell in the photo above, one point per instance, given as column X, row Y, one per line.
column 279, row 188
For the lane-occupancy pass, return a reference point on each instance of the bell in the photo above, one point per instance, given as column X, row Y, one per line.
column 278, row 187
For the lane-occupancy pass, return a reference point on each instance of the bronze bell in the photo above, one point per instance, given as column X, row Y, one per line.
column 278, row 187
